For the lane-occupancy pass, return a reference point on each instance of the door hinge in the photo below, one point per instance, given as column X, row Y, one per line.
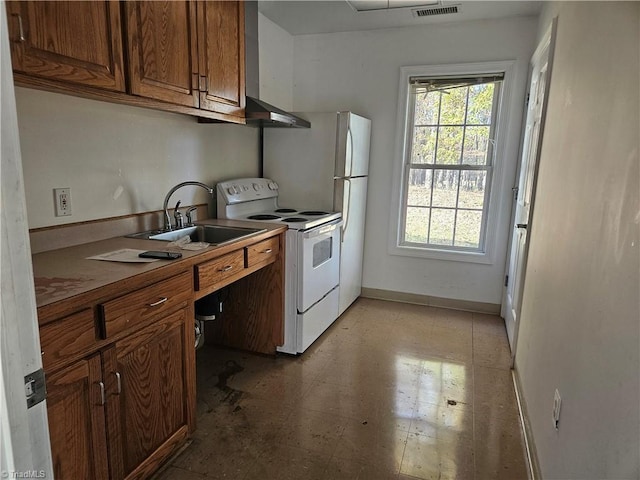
column 506, row 280
column 35, row 388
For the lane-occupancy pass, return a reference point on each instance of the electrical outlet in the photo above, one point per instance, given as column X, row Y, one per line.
column 557, row 402
column 62, row 201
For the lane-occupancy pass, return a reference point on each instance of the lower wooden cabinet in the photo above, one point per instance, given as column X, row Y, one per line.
column 121, row 402
column 147, row 411
column 120, row 364
column 75, row 406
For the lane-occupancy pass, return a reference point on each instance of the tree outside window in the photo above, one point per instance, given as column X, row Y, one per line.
column 449, row 150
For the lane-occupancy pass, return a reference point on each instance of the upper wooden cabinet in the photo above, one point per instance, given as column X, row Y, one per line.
column 221, row 56
column 183, row 56
column 162, row 47
column 189, row 53
column 77, row 42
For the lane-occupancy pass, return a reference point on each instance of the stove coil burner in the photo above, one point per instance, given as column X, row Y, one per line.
column 263, row 217
column 294, row 219
column 314, row 213
column 285, row 210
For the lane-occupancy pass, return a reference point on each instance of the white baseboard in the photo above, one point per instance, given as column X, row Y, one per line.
column 529, row 445
column 478, row 307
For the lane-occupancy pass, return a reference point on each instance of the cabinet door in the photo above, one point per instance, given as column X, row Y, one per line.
column 147, row 418
column 221, row 52
column 78, row 42
column 75, row 408
column 162, row 50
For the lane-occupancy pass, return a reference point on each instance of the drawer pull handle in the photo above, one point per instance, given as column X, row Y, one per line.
column 227, row 268
column 268, row 250
column 159, row 302
column 103, row 400
column 119, row 382
column 21, row 38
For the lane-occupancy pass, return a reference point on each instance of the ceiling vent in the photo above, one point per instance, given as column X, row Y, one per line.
column 373, row 5
column 428, row 12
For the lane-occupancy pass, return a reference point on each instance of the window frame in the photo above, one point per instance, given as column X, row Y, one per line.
column 495, row 171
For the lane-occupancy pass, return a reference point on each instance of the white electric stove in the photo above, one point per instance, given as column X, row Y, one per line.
column 312, row 255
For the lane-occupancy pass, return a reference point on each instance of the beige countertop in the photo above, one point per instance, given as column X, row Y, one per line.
column 66, row 272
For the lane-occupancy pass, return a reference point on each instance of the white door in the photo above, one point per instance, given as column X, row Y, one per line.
column 540, row 66
column 24, row 434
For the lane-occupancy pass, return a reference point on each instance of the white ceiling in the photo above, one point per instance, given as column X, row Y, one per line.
column 299, row 17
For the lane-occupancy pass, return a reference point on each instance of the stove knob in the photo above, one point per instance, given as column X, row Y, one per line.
column 256, row 187
column 273, row 186
column 244, row 188
column 236, row 190
column 230, row 191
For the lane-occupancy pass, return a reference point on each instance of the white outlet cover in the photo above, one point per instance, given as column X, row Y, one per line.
column 62, row 201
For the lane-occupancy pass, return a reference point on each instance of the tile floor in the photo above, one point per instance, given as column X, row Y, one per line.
column 390, row 391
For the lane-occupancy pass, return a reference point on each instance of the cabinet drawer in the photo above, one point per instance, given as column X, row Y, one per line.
column 145, row 304
column 219, row 269
column 265, row 251
column 67, row 338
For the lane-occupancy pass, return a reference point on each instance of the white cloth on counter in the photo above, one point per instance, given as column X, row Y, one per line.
column 185, row 243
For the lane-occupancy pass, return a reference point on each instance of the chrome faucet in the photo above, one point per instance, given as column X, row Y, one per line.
column 189, row 216
column 178, row 216
column 167, row 218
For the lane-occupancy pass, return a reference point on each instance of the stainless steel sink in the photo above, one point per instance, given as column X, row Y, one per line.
column 213, row 234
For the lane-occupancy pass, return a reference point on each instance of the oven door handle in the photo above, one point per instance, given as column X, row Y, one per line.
column 322, row 229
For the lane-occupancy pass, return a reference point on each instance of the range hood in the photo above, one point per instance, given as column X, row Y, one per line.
column 258, row 112
column 265, row 115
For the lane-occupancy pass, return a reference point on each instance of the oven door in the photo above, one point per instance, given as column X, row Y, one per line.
column 318, row 263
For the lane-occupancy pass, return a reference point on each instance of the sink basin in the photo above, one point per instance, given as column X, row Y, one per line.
column 213, row 234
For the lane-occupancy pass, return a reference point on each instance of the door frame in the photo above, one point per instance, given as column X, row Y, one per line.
column 546, row 45
column 24, row 432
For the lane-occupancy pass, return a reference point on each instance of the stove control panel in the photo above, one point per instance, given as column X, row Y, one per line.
column 245, row 190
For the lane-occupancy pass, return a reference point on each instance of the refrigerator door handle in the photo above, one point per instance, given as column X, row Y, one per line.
column 350, row 142
column 345, row 212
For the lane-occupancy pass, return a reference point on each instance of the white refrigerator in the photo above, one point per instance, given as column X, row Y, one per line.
column 326, row 167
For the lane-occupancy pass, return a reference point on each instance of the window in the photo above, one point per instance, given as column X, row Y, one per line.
column 450, row 158
column 448, row 176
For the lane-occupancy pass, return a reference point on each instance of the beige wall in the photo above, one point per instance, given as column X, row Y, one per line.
column 276, row 64
column 119, row 160
column 580, row 320
column 360, row 71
